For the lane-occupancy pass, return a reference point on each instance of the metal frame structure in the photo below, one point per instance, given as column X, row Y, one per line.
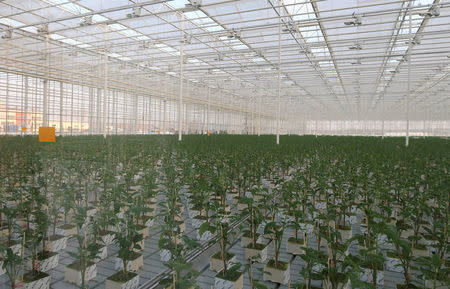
column 301, row 66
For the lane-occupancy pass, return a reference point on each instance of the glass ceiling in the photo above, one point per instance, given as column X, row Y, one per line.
column 338, row 59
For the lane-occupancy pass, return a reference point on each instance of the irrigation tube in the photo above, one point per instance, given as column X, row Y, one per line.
column 193, row 255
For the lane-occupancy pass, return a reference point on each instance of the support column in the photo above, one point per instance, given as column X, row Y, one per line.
column 279, row 73
column 164, row 117
column 71, row 111
column 315, row 127
column 408, row 57
column 91, row 110
column 99, row 109
column 26, row 105
column 105, row 91
column 187, row 118
column 61, row 92
column 253, row 118
column 45, row 104
column 144, row 113
column 135, row 112
column 115, row 95
column 125, row 115
column 180, row 100
column 7, row 102
column 259, row 117
column 208, row 121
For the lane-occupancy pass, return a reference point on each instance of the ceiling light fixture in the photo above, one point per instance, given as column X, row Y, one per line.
column 234, row 34
column 290, row 27
column 7, row 34
column 193, row 5
column 356, row 62
column 434, row 11
column 219, row 57
column 86, row 21
column 356, row 46
column 187, row 38
column 144, row 45
column 43, row 29
column 135, row 13
column 356, row 20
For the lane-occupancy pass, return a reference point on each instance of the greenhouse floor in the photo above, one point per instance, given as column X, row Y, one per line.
column 153, row 266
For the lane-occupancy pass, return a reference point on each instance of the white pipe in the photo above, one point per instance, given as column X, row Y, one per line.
column 99, row 109
column 279, row 74
column 409, row 76
column 7, row 102
column 209, row 110
column 180, row 103
column 61, row 107
column 164, row 116
column 26, row 104
column 259, row 117
column 105, row 92
column 45, row 105
column 71, row 111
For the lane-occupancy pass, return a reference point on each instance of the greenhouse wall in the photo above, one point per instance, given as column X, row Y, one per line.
column 78, row 110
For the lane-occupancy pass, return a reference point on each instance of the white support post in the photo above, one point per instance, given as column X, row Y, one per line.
column 91, row 110
column 315, row 127
column 125, row 115
column 61, row 99
column 253, row 117
column 186, row 109
column 146, row 128
column 144, row 113
column 45, row 96
column 115, row 95
column 99, row 109
column 259, row 116
column 408, row 57
column 187, row 118
column 45, row 104
column 135, row 113
column 382, row 117
column 105, row 92
column 26, row 104
column 160, row 116
column 7, row 102
column 71, row 111
column 279, row 74
column 208, row 121
column 164, row 117
column 180, row 100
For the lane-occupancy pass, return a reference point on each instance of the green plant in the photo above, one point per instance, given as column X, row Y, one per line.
column 403, row 252
column 171, row 237
column 9, row 213
column 219, row 224
column 36, row 235
column 12, row 264
column 254, row 219
column 275, row 230
column 315, row 262
column 86, row 251
column 433, row 270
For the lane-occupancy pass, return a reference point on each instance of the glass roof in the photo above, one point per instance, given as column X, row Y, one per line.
column 338, row 58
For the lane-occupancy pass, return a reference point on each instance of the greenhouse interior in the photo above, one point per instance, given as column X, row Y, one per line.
column 224, row 144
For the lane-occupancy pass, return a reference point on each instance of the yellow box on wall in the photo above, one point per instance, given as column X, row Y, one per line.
column 47, row 134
